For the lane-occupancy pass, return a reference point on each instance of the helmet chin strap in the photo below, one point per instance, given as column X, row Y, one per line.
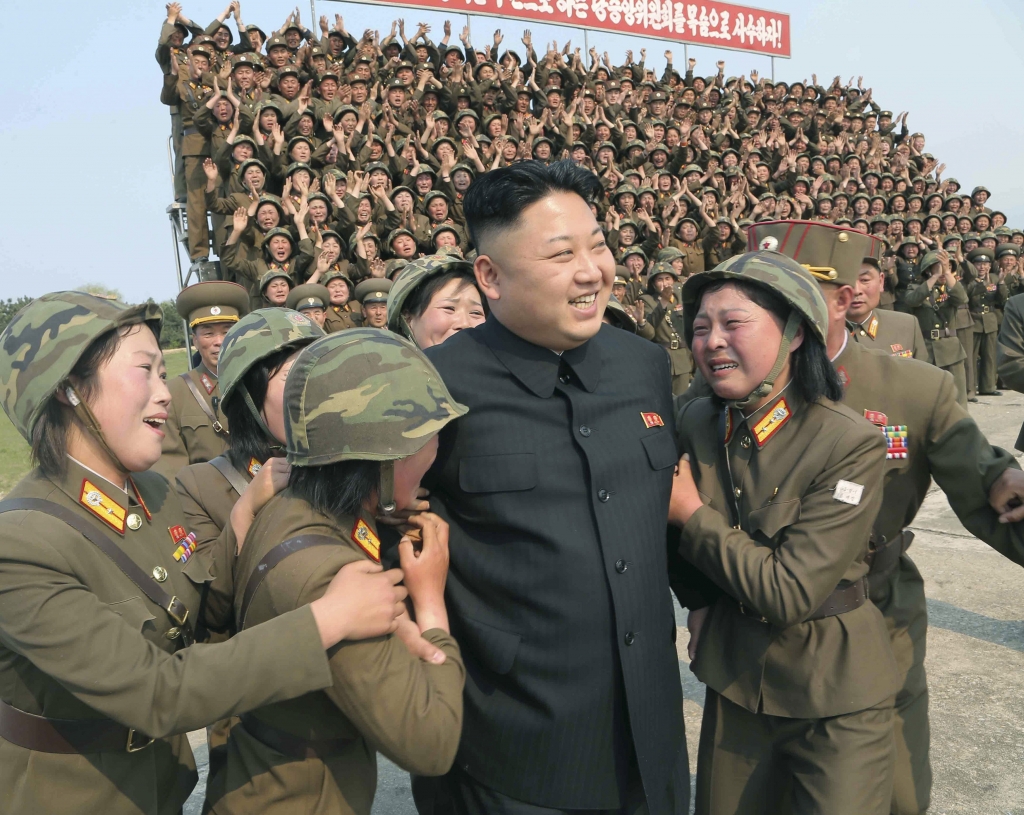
column 386, row 501
column 274, row 443
column 87, row 419
column 762, row 390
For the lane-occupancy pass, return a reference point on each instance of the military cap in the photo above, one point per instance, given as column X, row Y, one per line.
column 398, row 189
column 620, row 279
column 952, row 238
column 45, row 340
column 213, row 302
column 397, row 84
column 624, row 189
column 634, row 250
column 295, row 166
column 251, row 162
column 373, row 290
column 357, row 80
column 978, row 189
column 308, row 295
column 981, row 255
column 830, row 253
column 444, row 140
column 463, row 166
column 271, row 105
column 274, row 274
column 393, row 267
column 426, row 169
column 338, row 274
column 317, row 51
column 659, row 146
column 451, row 48
column 244, row 139
column 204, row 47
column 277, row 42
column 287, row 70
column 402, row 401
column 691, row 168
column 273, row 200
column 396, row 233
column 247, row 58
column 663, row 267
column 445, row 227
column 257, row 336
column 296, row 139
column 1005, row 249
column 377, row 165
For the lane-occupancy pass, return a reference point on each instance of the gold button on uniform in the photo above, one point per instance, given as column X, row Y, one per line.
column 159, row 574
column 134, row 521
column 745, row 442
column 738, row 492
column 173, row 633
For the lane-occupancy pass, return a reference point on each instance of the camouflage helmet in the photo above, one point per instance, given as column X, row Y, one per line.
column 258, row 335
column 46, row 339
column 618, row 316
column 363, row 394
column 769, row 270
column 416, row 274
column 780, row 275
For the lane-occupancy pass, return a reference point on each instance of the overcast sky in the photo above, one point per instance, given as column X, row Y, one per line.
column 83, row 134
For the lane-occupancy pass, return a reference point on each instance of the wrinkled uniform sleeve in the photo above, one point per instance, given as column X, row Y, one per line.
column 788, row 583
column 408, row 709
column 1010, row 354
column 48, row 616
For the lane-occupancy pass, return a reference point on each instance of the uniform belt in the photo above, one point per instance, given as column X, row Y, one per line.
column 939, row 333
column 841, row 600
column 883, row 559
column 674, row 345
column 191, row 130
column 68, row 735
column 289, row 744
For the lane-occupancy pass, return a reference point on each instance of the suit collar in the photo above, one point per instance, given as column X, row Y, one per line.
column 538, row 368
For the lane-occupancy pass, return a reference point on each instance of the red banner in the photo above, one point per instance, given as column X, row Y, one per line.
column 718, row 25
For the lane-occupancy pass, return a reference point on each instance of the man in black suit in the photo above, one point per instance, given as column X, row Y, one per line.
column 556, row 486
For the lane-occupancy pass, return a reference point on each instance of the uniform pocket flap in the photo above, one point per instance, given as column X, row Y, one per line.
column 495, row 648
column 773, row 518
column 947, row 351
column 512, row 472
column 193, row 421
column 196, row 571
column 661, row 449
column 133, row 611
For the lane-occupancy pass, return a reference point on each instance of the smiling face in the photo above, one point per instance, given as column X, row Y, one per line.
column 130, row 401
column 455, row 306
column 548, row 277
column 736, row 341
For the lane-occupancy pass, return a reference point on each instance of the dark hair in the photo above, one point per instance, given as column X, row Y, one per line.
column 336, row 490
column 247, row 440
column 495, row 201
column 419, row 298
column 812, row 373
column 50, row 434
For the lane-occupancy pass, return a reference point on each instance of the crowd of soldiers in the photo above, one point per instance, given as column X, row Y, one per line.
column 332, row 159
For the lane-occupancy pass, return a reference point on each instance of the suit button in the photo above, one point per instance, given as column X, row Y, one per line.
column 737, row 492
column 745, row 442
column 603, row 496
column 630, row 638
column 584, row 431
column 621, row 566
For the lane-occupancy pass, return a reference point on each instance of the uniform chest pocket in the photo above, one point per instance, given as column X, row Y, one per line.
column 661, row 449
column 134, row 612
column 194, row 421
column 510, row 472
column 770, row 520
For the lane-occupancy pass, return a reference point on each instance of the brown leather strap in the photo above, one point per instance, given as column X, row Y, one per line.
column 289, row 744
column 883, row 559
column 842, row 599
column 45, row 735
column 271, row 559
column 153, row 590
column 217, row 426
column 224, row 466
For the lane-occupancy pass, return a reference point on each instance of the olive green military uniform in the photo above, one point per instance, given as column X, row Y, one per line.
column 936, row 311
column 667, row 321
column 986, row 296
column 340, row 318
column 195, row 148
column 930, row 436
column 1010, row 352
column 318, row 754
column 801, row 678
column 813, row 694
column 83, row 643
column 893, row 332
column 693, row 255
column 195, row 430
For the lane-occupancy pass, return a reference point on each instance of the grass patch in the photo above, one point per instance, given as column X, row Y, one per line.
column 14, row 452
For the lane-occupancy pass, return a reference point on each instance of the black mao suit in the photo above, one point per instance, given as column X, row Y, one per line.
column 556, row 486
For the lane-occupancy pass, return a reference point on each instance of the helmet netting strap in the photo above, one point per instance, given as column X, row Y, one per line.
column 762, row 390
column 386, row 501
column 87, row 419
column 274, row 443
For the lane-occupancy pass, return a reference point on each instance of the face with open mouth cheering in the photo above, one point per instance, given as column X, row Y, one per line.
column 736, row 341
column 549, row 276
column 130, row 401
